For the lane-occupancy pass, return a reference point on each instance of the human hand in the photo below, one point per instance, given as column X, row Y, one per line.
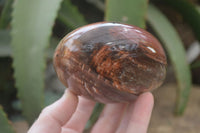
column 70, row 114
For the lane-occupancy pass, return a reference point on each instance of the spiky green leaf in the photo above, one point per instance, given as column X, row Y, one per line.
column 174, row 46
column 32, row 24
column 70, row 15
column 5, row 125
column 6, row 14
column 189, row 11
column 127, row 11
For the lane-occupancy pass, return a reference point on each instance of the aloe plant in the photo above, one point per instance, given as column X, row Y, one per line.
column 127, row 11
column 189, row 12
column 174, row 47
column 31, row 28
column 6, row 14
column 5, row 125
column 70, row 16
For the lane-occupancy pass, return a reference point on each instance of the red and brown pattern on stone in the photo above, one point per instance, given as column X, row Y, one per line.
column 110, row 62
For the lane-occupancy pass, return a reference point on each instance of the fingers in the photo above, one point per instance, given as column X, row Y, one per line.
column 136, row 116
column 55, row 115
column 121, row 118
column 80, row 117
column 141, row 114
column 125, row 118
column 109, row 119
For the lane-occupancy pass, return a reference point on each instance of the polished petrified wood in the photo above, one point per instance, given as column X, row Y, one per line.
column 110, row 62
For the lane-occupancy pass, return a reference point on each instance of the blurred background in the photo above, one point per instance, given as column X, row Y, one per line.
column 31, row 29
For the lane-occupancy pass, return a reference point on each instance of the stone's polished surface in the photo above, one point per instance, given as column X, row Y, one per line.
column 110, row 62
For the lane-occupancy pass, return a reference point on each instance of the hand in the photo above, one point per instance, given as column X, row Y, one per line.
column 70, row 114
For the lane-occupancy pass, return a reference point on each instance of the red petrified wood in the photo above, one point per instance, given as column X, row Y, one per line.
column 110, row 62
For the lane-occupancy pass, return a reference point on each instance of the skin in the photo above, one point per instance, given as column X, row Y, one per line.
column 70, row 114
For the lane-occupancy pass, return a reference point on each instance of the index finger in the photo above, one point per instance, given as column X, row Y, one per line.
column 55, row 115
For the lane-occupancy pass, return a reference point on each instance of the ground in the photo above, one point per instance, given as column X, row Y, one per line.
column 163, row 119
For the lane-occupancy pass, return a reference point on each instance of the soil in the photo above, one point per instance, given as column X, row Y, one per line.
column 163, row 119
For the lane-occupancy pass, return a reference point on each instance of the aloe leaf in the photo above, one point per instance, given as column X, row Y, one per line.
column 95, row 115
column 6, row 14
column 198, row 8
column 6, row 51
column 98, row 4
column 32, row 24
column 195, row 65
column 70, row 16
column 127, row 11
column 190, row 13
column 5, row 125
column 5, row 37
column 51, row 97
column 174, row 46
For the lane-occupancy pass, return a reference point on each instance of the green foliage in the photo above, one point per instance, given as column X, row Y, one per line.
column 5, row 37
column 5, row 43
column 176, row 52
column 32, row 24
column 51, row 97
column 6, row 14
column 127, row 11
column 6, row 51
column 94, row 117
column 195, row 65
column 70, row 15
column 5, row 125
column 189, row 12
